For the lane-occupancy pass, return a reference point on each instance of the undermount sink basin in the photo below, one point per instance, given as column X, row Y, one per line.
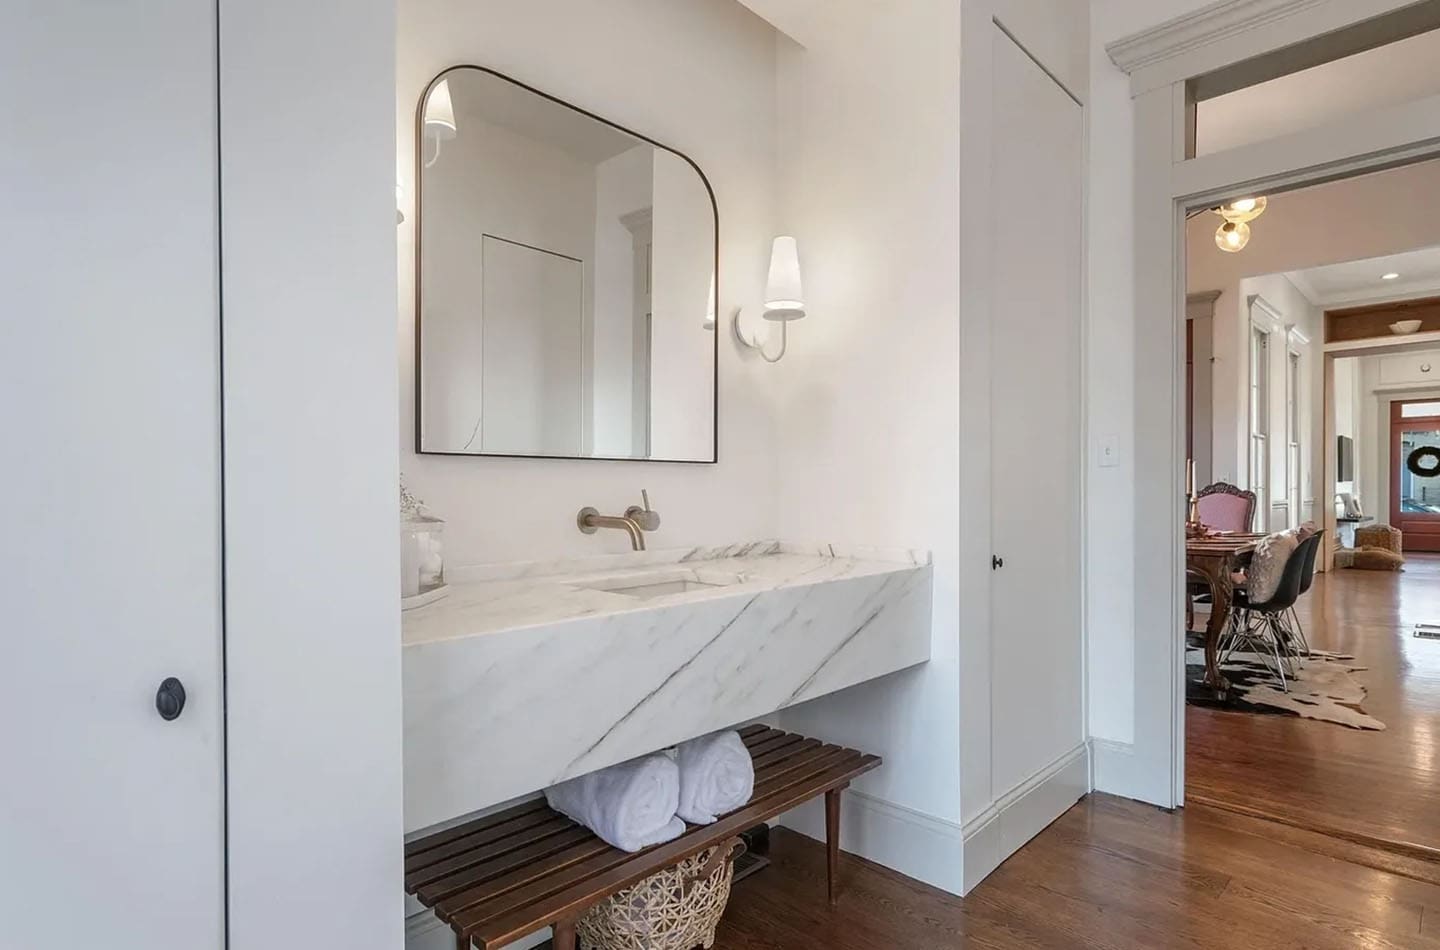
column 662, row 583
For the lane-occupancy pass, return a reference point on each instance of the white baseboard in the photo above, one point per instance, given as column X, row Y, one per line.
column 1117, row 770
column 1022, row 813
column 916, row 844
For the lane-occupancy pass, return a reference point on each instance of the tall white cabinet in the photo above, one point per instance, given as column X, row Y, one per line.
column 1036, row 418
column 1024, row 757
column 199, row 392
column 111, row 817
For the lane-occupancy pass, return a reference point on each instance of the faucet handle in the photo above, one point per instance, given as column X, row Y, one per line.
column 645, row 517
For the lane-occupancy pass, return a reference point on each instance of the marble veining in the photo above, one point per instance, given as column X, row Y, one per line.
column 524, row 676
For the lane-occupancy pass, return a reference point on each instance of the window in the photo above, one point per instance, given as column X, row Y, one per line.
column 1292, row 435
column 1419, row 410
column 1260, row 421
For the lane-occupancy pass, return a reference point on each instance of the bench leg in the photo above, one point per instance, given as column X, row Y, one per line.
column 462, row 943
column 832, row 838
column 564, row 937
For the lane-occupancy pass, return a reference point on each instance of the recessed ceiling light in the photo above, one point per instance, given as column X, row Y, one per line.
column 1390, row 276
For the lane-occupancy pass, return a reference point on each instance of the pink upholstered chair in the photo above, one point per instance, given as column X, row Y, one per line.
column 1224, row 507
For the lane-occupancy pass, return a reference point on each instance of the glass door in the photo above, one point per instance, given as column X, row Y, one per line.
column 1415, row 473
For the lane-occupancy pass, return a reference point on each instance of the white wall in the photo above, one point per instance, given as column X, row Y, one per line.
column 875, row 436
column 681, row 396
column 700, row 77
column 870, row 432
column 1110, row 516
column 312, row 613
column 623, row 185
column 532, row 194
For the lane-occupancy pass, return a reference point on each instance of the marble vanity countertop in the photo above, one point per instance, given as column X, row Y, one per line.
column 502, row 597
column 529, row 674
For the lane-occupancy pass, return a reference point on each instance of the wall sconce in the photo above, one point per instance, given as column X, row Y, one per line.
column 439, row 117
column 710, row 305
column 784, row 301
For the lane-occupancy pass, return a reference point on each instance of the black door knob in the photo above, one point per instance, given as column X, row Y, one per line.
column 996, row 562
column 170, row 699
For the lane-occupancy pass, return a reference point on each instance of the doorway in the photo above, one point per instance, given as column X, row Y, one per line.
column 1172, row 180
column 1415, row 473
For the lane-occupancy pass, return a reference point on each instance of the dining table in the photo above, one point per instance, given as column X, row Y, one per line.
column 1213, row 558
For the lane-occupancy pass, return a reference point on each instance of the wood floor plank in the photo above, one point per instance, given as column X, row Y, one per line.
column 1372, row 787
column 1109, row 875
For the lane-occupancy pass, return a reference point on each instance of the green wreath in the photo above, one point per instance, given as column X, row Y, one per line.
column 1416, row 461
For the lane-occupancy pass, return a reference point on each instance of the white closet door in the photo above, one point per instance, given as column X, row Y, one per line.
column 1037, row 163
column 111, row 818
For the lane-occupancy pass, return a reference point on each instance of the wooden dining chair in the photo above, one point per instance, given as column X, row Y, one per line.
column 1225, row 507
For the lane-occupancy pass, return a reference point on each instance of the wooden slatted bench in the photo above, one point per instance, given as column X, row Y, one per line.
column 499, row 878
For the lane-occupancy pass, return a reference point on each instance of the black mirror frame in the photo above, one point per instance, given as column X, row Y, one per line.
column 419, row 184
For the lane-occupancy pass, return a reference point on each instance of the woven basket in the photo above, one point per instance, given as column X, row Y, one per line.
column 1381, row 536
column 676, row 909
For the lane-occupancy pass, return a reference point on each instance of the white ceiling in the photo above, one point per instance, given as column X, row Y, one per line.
column 480, row 95
column 791, row 17
column 1359, row 282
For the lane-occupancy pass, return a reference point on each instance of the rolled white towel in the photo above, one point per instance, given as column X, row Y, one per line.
column 631, row 805
column 717, row 776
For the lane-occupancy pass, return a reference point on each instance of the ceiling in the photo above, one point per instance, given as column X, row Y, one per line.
column 791, row 17
column 1360, row 282
column 481, row 95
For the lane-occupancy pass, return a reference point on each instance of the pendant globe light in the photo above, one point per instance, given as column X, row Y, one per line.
column 1232, row 236
column 1243, row 210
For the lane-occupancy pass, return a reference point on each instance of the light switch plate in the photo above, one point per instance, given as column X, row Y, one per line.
column 1107, row 449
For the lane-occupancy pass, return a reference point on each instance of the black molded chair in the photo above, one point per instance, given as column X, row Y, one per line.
column 1307, row 578
column 1262, row 626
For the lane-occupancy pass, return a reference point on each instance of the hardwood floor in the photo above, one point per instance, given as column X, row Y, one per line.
column 1376, row 787
column 1109, row 874
column 1354, row 860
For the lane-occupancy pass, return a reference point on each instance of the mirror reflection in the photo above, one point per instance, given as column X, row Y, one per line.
column 566, row 282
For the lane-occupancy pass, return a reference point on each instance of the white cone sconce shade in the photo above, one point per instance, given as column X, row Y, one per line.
column 710, row 305
column 440, row 112
column 784, row 301
column 784, row 290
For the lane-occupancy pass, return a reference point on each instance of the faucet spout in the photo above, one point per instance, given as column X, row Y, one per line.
column 590, row 521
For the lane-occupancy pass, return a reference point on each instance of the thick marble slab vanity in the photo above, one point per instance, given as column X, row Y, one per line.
column 528, row 674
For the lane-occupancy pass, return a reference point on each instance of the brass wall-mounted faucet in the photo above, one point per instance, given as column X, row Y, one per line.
column 635, row 522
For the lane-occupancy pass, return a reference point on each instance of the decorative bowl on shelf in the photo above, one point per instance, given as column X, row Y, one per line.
column 1404, row 327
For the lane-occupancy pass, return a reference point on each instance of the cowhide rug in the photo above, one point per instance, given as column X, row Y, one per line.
column 1323, row 689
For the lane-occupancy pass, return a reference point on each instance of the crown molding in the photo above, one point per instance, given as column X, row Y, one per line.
column 1400, row 293
column 1307, row 289
column 1201, row 304
column 1213, row 24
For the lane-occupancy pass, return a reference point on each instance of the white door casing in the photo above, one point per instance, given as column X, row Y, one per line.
column 111, row 819
column 1166, row 184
